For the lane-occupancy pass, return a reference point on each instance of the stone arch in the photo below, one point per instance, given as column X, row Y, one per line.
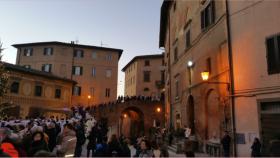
column 191, row 113
column 131, row 121
column 212, row 115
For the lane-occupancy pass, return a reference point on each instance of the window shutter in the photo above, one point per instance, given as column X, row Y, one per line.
column 45, row 51
column 81, row 68
column 271, row 62
column 213, row 11
column 73, row 70
column 75, row 53
column 24, row 51
column 51, row 51
column 43, row 67
column 80, row 89
column 202, row 15
column 50, row 70
column 31, row 52
column 82, row 53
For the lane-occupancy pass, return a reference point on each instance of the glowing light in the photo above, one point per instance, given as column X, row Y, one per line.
column 88, row 96
column 190, row 63
column 205, row 75
column 125, row 115
column 158, row 109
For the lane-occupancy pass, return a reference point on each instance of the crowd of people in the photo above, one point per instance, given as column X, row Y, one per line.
column 68, row 137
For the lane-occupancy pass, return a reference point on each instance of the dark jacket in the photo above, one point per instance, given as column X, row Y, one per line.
column 37, row 145
column 256, row 149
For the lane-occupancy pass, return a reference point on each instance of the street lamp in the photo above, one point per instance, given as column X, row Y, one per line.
column 205, row 77
column 88, row 99
column 125, row 115
column 158, row 110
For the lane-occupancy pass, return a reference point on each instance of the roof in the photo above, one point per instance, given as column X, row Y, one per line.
column 68, row 45
column 19, row 68
column 152, row 56
column 163, row 21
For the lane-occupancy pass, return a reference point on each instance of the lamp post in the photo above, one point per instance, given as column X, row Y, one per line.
column 205, row 77
column 89, row 97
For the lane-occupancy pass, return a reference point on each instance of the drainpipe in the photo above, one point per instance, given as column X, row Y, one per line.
column 230, row 59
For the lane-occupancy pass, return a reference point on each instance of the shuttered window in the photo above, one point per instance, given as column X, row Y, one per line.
column 273, row 54
column 208, row 15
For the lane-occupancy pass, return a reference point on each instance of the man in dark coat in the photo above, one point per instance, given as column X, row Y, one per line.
column 226, row 140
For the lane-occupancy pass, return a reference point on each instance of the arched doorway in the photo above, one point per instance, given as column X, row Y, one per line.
column 212, row 115
column 190, row 114
column 132, row 122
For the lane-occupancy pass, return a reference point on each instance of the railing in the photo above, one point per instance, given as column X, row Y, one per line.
column 213, row 149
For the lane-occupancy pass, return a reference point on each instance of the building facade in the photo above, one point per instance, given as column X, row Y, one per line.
column 144, row 76
column 35, row 93
column 95, row 69
column 255, row 43
column 194, row 35
column 236, row 46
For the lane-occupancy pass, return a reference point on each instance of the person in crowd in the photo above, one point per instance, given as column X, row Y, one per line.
column 80, row 135
column 125, row 148
column 114, row 148
column 131, row 148
column 145, row 149
column 7, row 145
column 256, row 148
column 67, row 142
column 38, row 143
column 226, row 144
column 156, row 149
column 101, row 149
column 52, row 134
column 92, row 140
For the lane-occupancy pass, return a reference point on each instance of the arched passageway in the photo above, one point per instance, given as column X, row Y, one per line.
column 132, row 122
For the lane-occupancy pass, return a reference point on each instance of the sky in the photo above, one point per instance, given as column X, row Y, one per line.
column 131, row 25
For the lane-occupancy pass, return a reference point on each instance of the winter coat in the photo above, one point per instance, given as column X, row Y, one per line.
column 256, row 149
column 37, row 146
column 52, row 138
column 146, row 153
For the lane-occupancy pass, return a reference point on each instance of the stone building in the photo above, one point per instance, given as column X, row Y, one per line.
column 144, row 76
column 255, row 40
column 194, row 35
column 35, row 93
column 95, row 69
column 236, row 46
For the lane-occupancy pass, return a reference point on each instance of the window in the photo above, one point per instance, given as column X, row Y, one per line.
column 208, row 15
column 162, row 76
column 273, row 54
column 188, row 39
column 48, row 51
column 93, row 71
column 27, row 66
column 38, row 91
column 47, row 67
column 14, row 87
column 208, row 65
column 109, row 57
column 174, row 6
column 146, row 89
column 147, row 63
column 28, row 52
column 77, row 91
column 107, row 93
column 57, row 93
column 108, row 73
column 92, row 91
column 94, row 55
column 77, row 70
column 175, row 54
column 177, row 89
column 78, row 53
column 146, row 76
